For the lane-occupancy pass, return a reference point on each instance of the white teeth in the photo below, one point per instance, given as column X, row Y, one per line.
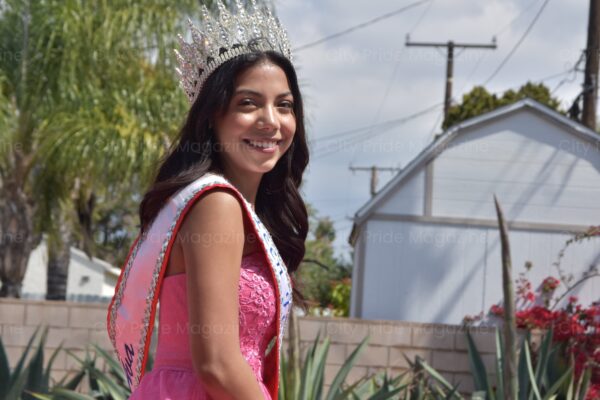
column 263, row 145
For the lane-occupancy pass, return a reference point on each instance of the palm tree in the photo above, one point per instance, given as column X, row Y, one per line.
column 87, row 97
column 25, row 102
column 88, row 103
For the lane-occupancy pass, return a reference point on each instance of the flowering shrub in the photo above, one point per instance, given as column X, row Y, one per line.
column 578, row 328
column 574, row 326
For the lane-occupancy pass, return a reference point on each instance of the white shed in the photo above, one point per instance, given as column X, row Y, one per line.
column 89, row 280
column 427, row 245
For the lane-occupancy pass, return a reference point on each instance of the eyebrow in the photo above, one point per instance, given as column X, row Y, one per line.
column 257, row 94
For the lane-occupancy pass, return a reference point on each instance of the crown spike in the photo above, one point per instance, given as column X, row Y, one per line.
column 241, row 10
column 205, row 13
column 221, row 7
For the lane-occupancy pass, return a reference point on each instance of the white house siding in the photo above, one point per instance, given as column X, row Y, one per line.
column 412, row 200
column 109, row 285
column 356, row 298
column 88, row 280
column 542, row 249
column 34, row 281
column 538, row 172
column 422, row 272
column 439, row 273
column 86, row 277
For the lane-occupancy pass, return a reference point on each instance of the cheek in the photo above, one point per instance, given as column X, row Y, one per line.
column 290, row 127
column 289, row 131
column 234, row 125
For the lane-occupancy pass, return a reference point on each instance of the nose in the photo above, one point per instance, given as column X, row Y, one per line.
column 268, row 120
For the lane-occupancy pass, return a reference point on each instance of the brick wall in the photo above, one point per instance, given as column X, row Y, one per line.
column 442, row 346
column 73, row 324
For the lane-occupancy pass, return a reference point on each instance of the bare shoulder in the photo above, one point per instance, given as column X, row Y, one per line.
column 213, row 229
column 219, row 209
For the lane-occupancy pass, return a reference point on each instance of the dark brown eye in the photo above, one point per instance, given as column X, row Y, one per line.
column 246, row 102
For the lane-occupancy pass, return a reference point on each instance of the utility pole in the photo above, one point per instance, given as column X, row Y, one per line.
column 450, row 46
column 374, row 170
column 590, row 83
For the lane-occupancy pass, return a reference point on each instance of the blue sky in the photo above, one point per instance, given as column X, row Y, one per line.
column 370, row 76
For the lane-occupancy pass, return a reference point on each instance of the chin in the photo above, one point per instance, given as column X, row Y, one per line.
column 266, row 168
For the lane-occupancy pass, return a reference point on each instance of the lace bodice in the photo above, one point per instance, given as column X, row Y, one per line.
column 257, row 309
column 257, row 316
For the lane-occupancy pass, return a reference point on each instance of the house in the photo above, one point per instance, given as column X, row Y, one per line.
column 89, row 280
column 427, row 245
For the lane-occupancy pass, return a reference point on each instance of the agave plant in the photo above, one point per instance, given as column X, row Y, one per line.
column 428, row 384
column 308, row 383
column 29, row 377
column 110, row 385
column 519, row 380
column 545, row 379
column 420, row 382
column 30, row 380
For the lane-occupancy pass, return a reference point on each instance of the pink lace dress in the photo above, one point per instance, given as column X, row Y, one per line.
column 172, row 376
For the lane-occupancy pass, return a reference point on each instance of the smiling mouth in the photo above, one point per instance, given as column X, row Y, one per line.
column 270, row 144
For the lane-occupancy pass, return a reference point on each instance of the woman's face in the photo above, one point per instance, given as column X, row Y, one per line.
column 259, row 124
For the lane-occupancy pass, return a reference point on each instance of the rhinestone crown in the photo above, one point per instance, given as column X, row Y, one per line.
column 223, row 38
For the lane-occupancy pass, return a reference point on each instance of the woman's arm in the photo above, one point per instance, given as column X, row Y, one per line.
column 212, row 240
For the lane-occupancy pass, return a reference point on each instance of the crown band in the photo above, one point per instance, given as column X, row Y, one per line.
column 222, row 39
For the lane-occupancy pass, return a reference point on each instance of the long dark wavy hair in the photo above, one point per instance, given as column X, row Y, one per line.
column 278, row 202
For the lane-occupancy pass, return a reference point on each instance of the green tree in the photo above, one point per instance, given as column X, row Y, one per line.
column 88, row 102
column 320, row 269
column 479, row 101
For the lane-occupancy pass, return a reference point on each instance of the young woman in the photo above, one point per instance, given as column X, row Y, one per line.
column 223, row 227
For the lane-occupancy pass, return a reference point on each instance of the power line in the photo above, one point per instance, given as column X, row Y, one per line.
column 390, row 124
column 360, row 26
column 569, row 79
column 388, row 87
column 516, row 46
column 385, row 124
column 356, row 140
column 480, row 59
column 348, row 142
column 396, row 67
column 526, row 9
column 497, row 34
column 549, row 77
column 374, row 178
column 500, row 32
column 356, row 130
column 450, row 46
column 523, row 12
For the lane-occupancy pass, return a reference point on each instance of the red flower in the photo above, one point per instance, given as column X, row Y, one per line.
column 497, row 310
column 534, row 317
column 530, row 297
column 575, row 326
column 550, row 284
column 593, row 392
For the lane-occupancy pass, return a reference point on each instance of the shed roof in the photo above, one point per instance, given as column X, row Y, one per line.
column 437, row 146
